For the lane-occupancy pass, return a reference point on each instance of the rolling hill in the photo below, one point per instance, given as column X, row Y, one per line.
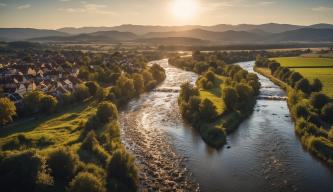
column 19, row 34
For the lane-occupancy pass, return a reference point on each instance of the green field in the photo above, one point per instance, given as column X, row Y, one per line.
column 215, row 96
column 304, row 62
column 325, row 73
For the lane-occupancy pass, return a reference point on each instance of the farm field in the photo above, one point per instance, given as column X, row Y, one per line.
column 304, row 62
column 308, row 68
column 324, row 74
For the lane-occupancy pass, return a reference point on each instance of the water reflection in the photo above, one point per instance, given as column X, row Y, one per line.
column 264, row 153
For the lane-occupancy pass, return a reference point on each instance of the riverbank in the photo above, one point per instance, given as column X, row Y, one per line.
column 223, row 97
column 315, row 134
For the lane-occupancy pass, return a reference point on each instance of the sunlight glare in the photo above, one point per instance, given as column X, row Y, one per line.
column 184, row 9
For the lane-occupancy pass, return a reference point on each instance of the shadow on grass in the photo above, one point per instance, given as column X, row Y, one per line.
column 29, row 124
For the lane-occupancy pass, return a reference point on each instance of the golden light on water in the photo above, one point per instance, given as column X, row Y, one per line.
column 184, row 9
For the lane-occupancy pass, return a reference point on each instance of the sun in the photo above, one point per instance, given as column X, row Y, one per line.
column 184, row 9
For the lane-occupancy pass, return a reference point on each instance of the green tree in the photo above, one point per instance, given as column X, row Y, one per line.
column 7, row 111
column 317, row 85
column 107, row 112
column 32, row 101
column 207, row 110
column 327, row 112
column 48, row 104
column 84, row 182
column 122, row 172
column 81, row 92
column 318, row 100
column 304, row 86
column 126, row 87
column 229, row 96
column 93, row 87
column 139, row 83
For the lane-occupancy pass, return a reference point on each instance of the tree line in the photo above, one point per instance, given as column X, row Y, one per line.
column 311, row 109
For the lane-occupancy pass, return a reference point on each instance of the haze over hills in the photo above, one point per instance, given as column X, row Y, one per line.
column 218, row 34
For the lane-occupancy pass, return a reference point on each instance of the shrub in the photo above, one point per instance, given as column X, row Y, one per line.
column 107, row 112
column 7, row 111
column 327, row 112
column 32, row 100
column 86, row 182
column 19, row 172
column 294, row 77
column 48, row 104
column 304, row 86
column 207, row 110
column 318, row 100
column 63, row 164
column 139, row 84
column 81, row 92
column 121, row 172
column 301, row 110
column 92, row 87
column 317, row 85
column 229, row 96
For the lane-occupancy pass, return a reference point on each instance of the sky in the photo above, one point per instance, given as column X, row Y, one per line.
column 53, row 14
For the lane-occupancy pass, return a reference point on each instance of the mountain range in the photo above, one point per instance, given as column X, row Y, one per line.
column 218, row 34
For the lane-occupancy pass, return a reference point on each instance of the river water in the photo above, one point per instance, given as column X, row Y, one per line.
column 263, row 154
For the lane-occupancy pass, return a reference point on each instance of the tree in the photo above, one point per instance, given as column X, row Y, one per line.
column 126, row 87
column 121, row 172
column 81, row 92
column 48, row 104
column 294, row 77
column 84, row 182
column 32, row 101
column 317, row 85
column 304, row 86
column 207, row 110
column 7, row 111
column 138, row 83
column 318, row 100
column 327, row 112
column 93, row 87
column 107, row 112
column 63, row 164
column 187, row 90
column 229, row 96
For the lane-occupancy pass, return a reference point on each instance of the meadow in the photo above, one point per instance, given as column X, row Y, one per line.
column 311, row 68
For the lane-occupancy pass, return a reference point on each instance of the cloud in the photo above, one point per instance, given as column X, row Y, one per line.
column 266, row 3
column 89, row 8
column 3, row 4
column 26, row 6
column 322, row 9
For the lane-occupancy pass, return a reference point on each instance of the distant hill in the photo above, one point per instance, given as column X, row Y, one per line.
column 19, row 34
column 303, row 35
column 174, row 41
column 96, row 37
column 143, row 29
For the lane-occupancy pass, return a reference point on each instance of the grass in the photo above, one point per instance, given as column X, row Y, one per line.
column 215, row 96
column 55, row 130
column 324, row 74
column 308, row 68
column 305, row 62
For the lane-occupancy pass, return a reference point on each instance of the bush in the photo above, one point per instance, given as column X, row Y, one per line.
column 81, row 92
column 107, row 112
column 7, row 111
column 229, row 96
column 48, row 104
column 86, row 182
column 317, row 85
column 121, row 172
column 92, row 87
column 301, row 110
column 139, row 84
column 327, row 112
column 19, row 172
column 207, row 110
column 318, row 100
column 304, row 86
column 32, row 100
column 63, row 164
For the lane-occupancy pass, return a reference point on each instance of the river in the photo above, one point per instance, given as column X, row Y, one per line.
column 263, row 154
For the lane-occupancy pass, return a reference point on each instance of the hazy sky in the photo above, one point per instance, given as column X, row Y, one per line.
column 64, row 13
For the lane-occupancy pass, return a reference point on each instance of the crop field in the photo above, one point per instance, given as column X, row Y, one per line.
column 311, row 68
column 304, row 62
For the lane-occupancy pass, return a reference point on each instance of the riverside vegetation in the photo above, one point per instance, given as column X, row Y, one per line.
column 74, row 148
column 311, row 109
column 223, row 96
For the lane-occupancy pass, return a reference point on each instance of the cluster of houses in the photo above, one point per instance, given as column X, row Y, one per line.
column 16, row 79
